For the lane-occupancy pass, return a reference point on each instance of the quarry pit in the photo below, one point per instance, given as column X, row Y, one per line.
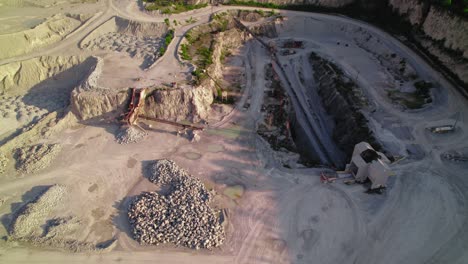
column 229, row 134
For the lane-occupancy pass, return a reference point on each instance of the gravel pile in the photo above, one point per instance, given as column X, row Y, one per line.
column 30, row 221
column 130, row 135
column 181, row 217
column 3, row 163
column 34, row 158
column 138, row 47
column 165, row 171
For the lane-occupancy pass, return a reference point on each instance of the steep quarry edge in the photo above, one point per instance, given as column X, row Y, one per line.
column 89, row 100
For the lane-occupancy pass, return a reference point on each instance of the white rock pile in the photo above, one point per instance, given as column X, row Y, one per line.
column 130, row 135
column 181, row 217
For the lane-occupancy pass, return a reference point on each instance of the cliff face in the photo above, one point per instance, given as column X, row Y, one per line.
column 342, row 100
column 179, row 104
column 89, row 100
column 442, row 34
column 411, row 10
column 450, row 29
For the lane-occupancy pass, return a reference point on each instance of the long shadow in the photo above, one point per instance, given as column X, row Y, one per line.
column 54, row 93
column 233, row 171
column 120, row 221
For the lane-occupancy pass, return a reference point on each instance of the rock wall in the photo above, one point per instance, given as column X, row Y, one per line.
column 89, row 100
column 450, row 29
column 224, row 41
column 341, row 98
column 442, row 34
column 412, row 10
column 188, row 103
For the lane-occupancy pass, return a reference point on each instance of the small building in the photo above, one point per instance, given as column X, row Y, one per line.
column 367, row 163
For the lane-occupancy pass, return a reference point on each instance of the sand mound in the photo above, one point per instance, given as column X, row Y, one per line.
column 35, row 214
column 37, row 224
column 181, row 217
column 127, row 27
column 34, row 158
column 17, row 77
column 146, row 48
column 130, row 135
column 138, row 39
column 52, row 30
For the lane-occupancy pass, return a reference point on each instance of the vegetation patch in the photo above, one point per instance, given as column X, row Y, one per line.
column 167, row 40
column 413, row 100
column 184, row 52
column 171, row 7
column 201, row 40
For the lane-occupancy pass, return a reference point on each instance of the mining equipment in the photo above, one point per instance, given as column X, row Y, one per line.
column 444, row 128
column 366, row 163
column 134, row 112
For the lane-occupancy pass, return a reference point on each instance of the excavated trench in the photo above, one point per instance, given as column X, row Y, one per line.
column 336, row 103
column 335, row 124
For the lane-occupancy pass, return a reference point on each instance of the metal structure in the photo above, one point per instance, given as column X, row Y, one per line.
column 444, row 128
column 135, row 105
column 136, row 101
column 367, row 163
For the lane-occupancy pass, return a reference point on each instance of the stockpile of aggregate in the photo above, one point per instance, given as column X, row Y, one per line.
column 130, row 135
column 183, row 216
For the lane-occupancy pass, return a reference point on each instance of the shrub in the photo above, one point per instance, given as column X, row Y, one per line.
column 184, row 52
column 205, row 58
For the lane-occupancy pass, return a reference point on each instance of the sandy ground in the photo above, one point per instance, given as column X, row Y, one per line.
column 278, row 215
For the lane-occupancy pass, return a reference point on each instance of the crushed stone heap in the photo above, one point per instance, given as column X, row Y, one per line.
column 181, row 217
column 130, row 135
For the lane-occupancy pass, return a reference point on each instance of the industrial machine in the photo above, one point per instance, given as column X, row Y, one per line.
column 135, row 112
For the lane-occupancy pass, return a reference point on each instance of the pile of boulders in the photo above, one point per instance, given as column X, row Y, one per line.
column 181, row 217
column 130, row 135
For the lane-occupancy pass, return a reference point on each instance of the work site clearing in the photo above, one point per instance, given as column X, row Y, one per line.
column 225, row 134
